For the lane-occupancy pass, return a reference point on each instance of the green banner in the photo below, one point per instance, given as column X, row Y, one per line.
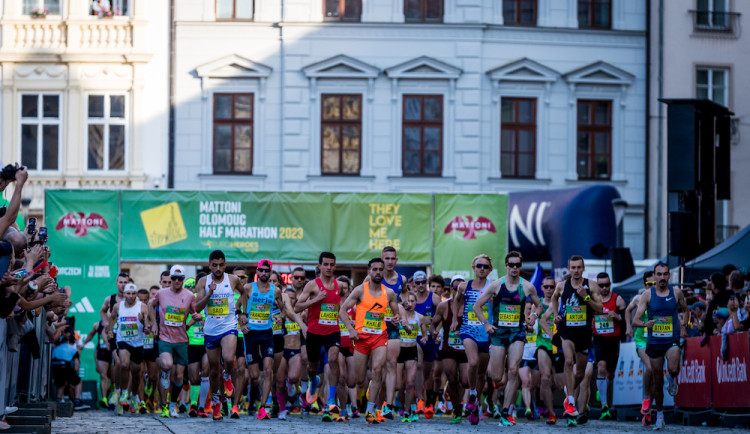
column 247, row 226
column 467, row 225
column 83, row 230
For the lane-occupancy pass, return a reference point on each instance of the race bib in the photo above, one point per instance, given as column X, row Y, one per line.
column 531, row 338
column 278, row 329
column 373, row 323
column 103, row 344
column 604, row 324
column 148, row 342
column 575, row 316
column 259, row 314
column 663, row 328
column 128, row 330
column 198, row 330
column 388, row 313
column 329, row 314
column 508, row 315
column 455, row 342
column 174, row 316
column 342, row 329
column 292, row 328
column 408, row 337
column 473, row 320
column 218, row 306
column 552, row 328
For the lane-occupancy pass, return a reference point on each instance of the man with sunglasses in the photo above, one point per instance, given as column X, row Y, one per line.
column 607, row 333
column 427, row 302
column 105, row 312
column 507, row 327
column 639, row 337
column 240, row 375
column 546, row 353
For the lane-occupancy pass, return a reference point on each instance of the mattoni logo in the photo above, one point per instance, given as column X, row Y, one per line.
column 470, row 227
column 81, row 222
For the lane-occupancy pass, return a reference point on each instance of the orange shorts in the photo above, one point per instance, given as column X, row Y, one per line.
column 367, row 342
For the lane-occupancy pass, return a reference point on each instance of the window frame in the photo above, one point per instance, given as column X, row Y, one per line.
column 106, row 121
column 711, row 70
column 517, row 21
column 234, row 12
column 422, row 124
column 592, row 129
column 711, row 13
column 232, row 122
column 423, row 9
column 342, row 9
column 516, row 127
column 42, row 4
column 590, row 24
column 40, row 121
column 340, row 123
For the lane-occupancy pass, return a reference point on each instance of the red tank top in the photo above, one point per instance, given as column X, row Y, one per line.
column 323, row 317
column 605, row 325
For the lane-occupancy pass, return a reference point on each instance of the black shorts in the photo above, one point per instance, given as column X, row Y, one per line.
column 458, row 356
column 408, row 354
column 657, row 351
column 195, row 353
column 104, row 355
column 533, row 364
column 581, row 339
column 239, row 350
column 429, row 350
column 316, row 342
column 65, row 374
column 607, row 349
column 136, row 353
column 151, row 354
column 113, row 345
column 289, row 353
column 258, row 345
column 346, row 351
column 559, row 361
column 278, row 343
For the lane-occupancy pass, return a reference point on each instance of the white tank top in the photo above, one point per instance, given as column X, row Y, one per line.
column 220, row 311
column 129, row 327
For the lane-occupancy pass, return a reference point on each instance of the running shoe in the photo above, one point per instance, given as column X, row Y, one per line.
column 327, row 416
column 262, row 414
column 497, row 412
column 646, row 407
column 142, row 407
column 570, row 410
column 572, row 423
column 473, row 410
column 646, row 421
column 335, row 411
column 313, row 397
column 173, row 413
column 529, row 414
column 228, row 387
column 512, row 419
column 370, row 418
column 165, row 411
column 456, row 420
column 202, row 413
column 659, row 425
column 605, row 413
column 193, row 411
column 387, row 412
column 148, row 388
column 235, row 413
column 103, row 403
column 440, row 409
column 415, row 417
column 315, row 407
column 420, row 407
column 583, row 418
column 429, row 412
column 355, row 413
column 341, row 419
column 506, row 421
column 216, row 411
column 282, row 415
column 182, row 408
column 406, row 418
column 673, row 387
column 119, row 409
column 552, row 419
column 133, row 404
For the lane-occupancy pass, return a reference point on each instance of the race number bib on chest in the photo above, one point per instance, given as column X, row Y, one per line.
column 575, row 316
column 128, row 330
column 148, row 342
column 472, row 318
column 174, row 316
column 329, row 314
column 259, row 314
column 292, row 328
column 198, row 330
column 218, row 306
column 388, row 313
column 408, row 337
column 278, row 329
column 663, row 328
column 508, row 315
column 373, row 323
column 454, row 341
column 604, row 323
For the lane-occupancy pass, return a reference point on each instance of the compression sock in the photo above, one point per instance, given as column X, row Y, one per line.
column 176, row 388
column 332, row 395
column 204, row 391
column 370, row 407
column 601, row 385
column 281, row 398
column 194, row 394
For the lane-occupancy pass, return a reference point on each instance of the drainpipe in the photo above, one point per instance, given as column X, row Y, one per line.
column 281, row 97
column 660, row 141
column 172, row 59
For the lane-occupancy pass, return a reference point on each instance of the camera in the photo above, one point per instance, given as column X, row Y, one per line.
column 43, row 235
column 31, row 226
column 8, row 173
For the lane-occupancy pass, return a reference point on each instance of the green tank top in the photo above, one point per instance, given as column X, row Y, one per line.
column 542, row 339
column 195, row 333
column 640, row 332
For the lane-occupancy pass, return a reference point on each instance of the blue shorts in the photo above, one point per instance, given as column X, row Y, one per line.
column 429, row 350
column 483, row 347
column 214, row 342
column 323, row 360
column 592, row 356
column 258, row 345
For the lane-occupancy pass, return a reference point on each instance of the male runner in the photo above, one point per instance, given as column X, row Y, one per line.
column 579, row 299
column 369, row 333
column 639, row 336
column 427, row 301
column 452, row 356
column 665, row 330
column 545, row 352
column 237, row 378
column 607, row 333
column 215, row 293
column 299, row 281
column 506, row 329
column 197, row 365
column 132, row 321
column 289, row 369
column 473, row 333
column 103, row 358
column 176, row 304
column 412, row 325
column 109, row 303
column 346, row 361
column 322, row 300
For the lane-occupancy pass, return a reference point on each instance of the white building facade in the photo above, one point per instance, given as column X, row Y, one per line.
column 412, row 96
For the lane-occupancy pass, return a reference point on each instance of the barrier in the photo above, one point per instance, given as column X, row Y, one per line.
column 629, row 378
column 695, row 376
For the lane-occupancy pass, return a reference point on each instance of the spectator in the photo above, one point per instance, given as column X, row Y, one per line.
column 719, row 298
column 736, row 314
column 736, row 281
column 697, row 312
column 11, row 212
column 64, row 373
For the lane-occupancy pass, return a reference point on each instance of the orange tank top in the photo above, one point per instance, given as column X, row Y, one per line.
column 370, row 316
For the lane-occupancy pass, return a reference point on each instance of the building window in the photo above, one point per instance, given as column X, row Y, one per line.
column 594, row 156
column 342, row 10
column 109, row 8
column 423, row 135
column 712, row 14
column 233, row 133
column 519, row 12
column 595, row 14
column 234, row 9
column 713, row 84
column 341, row 134
column 40, row 131
column 38, row 6
column 106, row 123
column 423, row 11
column 518, row 137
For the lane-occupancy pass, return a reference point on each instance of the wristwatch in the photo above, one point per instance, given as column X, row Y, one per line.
column 587, row 299
column 33, row 285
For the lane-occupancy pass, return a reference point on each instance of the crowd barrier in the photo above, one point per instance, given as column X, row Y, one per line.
column 628, row 384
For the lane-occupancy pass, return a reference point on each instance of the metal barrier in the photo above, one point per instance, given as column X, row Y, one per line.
column 39, row 368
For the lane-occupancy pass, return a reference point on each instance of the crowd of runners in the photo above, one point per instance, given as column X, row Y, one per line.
column 390, row 347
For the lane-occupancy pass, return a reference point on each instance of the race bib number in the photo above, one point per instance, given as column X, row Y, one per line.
column 148, row 342
column 663, row 328
column 342, row 329
column 388, row 313
column 278, row 329
column 552, row 328
column 408, row 337
column 198, row 330
column 292, row 328
column 174, row 316
column 129, row 330
column 472, row 318
column 329, row 314
column 373, row 323
column 604, row 324
column 455, row 342
column 259, row 314
column 531, row 338
column 508, row 315
column 575, row 316
column 218, row 306
column 103, row 344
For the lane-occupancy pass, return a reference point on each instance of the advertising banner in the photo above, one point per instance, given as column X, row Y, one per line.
column 83, row 230
column 467, row 225
column 729, row 381
column 695, row 376
column 628, row 382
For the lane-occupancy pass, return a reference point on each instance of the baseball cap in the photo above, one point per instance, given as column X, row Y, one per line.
column 456, row 278
column 722, row 312
column 265, row 263
column 419, row 275
column 697, row 305
column 130, row 287
column 177, row 270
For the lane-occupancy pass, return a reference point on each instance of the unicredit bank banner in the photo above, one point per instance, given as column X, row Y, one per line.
column 695, row 376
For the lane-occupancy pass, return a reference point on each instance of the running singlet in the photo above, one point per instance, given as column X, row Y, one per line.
column 397, row 289
column 666, row 330
column 577, row 314
column 220, row 316
column 323, row 317
column 451, row 340
column 129, row 327
column 101, row 341
column 544, row 340
column 370, row 313
column 195, row 332
column 605, row 325
column 259, row 307
column 410, row 337
column 426, row 309
column 508, row 307
column 471, row 325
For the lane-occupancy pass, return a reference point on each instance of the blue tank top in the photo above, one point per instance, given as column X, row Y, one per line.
column 259, row 307
column 508, row 307
column 471, row 325
column 395, row 287
column 426, row 308
column 666, row 330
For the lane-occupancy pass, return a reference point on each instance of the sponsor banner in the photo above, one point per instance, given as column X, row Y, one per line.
column 695, row 376
column 628, row 384
column 83, row 231
column 729, row 380
column 467, row 225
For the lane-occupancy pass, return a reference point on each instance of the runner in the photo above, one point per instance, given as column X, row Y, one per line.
column 576, row 299
column 239, row 374
column 411, row 324
column 347, row 393
column 369, row 333
column 106, row 309
column 278, row 339
column 103, row 358
column 506, row 328
column 321, row 299
column 545, row 352
column 663, row 303
column 438, row 288
column 427, row 301
column 215, row 292
column 177, row 304
column 473, row 334
column 289, row 369
column 132, row 321
column 639, row 336
column 529, row 370
column 197, row 364
column 395, row 282
column 607, row 333
column 452, row 356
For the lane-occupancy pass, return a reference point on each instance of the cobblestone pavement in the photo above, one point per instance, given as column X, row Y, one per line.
column 107, row 422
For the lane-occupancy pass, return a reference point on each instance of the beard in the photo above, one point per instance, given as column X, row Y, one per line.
column 264, row 278
column 377, row 279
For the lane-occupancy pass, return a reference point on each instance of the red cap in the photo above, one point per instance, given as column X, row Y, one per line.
column 265, row 262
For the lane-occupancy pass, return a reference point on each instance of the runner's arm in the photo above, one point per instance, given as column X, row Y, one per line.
column 354, row 298
column 393, row 303
column 203, row 295
column 596, row 298
column 91, row 334
column 304, row 301
column 112, row 318
column 642, row 305
column 437, row 319
column 104, row 311
column 629, row 315
column 534, row 297
column 682, row 307
column 458, row 306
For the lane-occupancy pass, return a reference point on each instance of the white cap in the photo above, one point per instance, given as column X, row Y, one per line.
column 130, row 287
column 456, row 278
column 177, row 270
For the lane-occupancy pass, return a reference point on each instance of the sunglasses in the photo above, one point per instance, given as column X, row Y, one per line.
column 264, row 270
column 244, row 276
column 299, row 277
column 513, row 264
column 180, row 278
column 605, row 285
column 420, row 282
column 548, row 286
column 482, row 266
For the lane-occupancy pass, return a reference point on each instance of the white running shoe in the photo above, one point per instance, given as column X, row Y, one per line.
column 165, row 380
column 659, row 425
column 673, row 386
